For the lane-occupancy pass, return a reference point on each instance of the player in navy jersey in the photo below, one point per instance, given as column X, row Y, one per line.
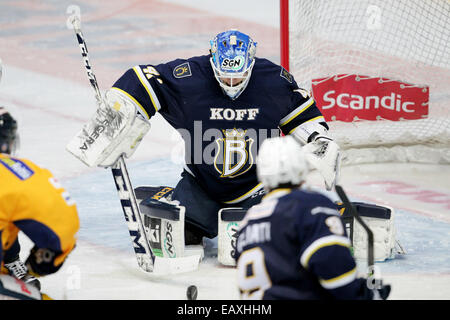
column 224, row 104
column 293, row 245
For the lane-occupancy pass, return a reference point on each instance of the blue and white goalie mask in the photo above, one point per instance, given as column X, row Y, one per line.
column 232, row 60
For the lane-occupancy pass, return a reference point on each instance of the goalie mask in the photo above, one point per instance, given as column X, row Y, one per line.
column 232, row 60
column 9, row 138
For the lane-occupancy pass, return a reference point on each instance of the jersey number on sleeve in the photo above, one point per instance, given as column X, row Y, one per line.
column 151, row 72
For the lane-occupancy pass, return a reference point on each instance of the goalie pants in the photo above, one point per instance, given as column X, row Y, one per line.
column 201, row 217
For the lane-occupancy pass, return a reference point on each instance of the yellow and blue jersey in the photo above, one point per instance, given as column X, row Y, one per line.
column 32, row 200
column 222, row 136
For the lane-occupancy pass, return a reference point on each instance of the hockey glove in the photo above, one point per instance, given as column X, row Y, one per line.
column 324, row 155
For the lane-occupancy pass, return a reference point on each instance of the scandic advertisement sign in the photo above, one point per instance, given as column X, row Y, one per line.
column 351, row 97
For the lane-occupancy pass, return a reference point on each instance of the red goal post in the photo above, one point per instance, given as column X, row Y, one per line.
column 379, row 70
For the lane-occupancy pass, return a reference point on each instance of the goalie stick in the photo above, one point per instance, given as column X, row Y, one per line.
column 349, row 206
column 144, row 254
column 146, row 258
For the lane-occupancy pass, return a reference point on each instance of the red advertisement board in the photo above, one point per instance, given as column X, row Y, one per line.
column 352, row 97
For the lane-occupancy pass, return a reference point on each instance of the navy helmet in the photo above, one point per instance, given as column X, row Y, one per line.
column 232, row 59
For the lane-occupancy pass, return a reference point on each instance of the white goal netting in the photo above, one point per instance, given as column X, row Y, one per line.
column 403, row 40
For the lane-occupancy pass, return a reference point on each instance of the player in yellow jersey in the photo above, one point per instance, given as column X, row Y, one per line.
column 31, row 201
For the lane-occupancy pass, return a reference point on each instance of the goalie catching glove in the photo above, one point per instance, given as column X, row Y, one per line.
column 115, row 129
column 322, row 152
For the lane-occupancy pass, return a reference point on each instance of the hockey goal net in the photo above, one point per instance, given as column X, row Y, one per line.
column 380, row 72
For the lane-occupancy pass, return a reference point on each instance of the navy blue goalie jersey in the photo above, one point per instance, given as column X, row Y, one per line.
column 221, row 135
column 293, row 245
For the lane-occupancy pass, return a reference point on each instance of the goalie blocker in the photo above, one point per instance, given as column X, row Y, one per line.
column 112, row 131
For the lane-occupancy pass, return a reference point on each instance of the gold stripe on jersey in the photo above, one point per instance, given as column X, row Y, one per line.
column 294, row 114
column 133, row 99
column 339, row 281
column 316, row 119
column 320, row 243
column 148, row 88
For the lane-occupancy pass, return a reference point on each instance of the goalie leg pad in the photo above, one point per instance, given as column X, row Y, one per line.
column 229, row 219
column 380, row 219
column 153, row 192
column 164, row 226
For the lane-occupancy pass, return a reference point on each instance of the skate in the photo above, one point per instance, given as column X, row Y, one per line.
column 18, row 269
